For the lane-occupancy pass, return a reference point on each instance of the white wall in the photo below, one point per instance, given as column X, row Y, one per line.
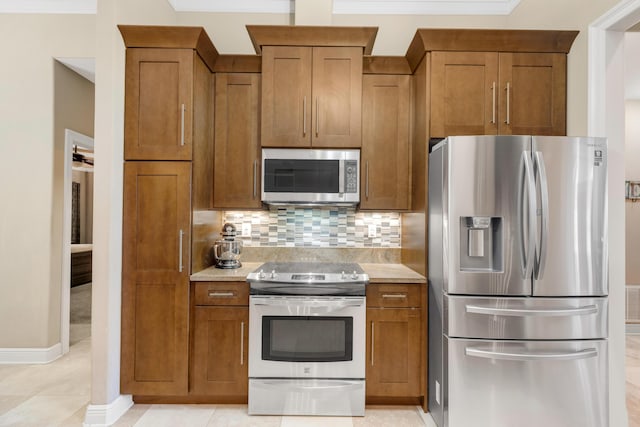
column 30, row 274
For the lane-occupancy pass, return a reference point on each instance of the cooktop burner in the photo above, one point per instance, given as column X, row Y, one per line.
column 308, row 278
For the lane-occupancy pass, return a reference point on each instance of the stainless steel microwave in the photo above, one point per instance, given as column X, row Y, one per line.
column 310, row 176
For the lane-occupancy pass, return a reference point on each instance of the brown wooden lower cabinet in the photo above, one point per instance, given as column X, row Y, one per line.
column 396, row 344
column 393, row 352
column 220, row 342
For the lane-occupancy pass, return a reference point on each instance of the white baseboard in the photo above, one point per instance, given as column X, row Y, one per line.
column 30, row 355
column 632, row 328
column 106, row 415
column 426, row 417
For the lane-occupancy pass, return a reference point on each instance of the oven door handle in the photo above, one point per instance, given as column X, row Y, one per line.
column 294, row 385
column 321, row 305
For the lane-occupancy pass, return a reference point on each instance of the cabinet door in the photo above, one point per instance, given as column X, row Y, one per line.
column 237, row 146
column 337, row 97
column 393, row 352
column 286, row 96
column 155, row 278
column 536, row 99
column 386, row 115
column 158, row 104
column 464, row 91
column 220, row 343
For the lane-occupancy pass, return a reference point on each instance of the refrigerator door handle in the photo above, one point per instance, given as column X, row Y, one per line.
column 530, row 185
column 566, row 311
column 544, row 233
column 526, row 357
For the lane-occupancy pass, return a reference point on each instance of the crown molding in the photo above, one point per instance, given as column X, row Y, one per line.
column 236, row 6
column 85, row 7
column 424, row 7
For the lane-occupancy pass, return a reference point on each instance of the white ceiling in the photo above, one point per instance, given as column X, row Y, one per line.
column 362, row 7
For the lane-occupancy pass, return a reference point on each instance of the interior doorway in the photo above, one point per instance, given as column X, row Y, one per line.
column 80, row 148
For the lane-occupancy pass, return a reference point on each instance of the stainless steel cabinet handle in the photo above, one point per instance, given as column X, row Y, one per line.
column 399, row 296
column 373, row 339
column 214, row 294
column 241, row 343
column 366, row 182
column 304, row 116
column 180, row 267
column 582, row 354
column 508, row 89
column 519, row 312
column 317, row 116
column 182, row 108
column 255, row 178
column 493, row 103
column 544, row 232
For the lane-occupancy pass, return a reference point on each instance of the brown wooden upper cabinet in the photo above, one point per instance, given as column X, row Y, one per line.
column 237, row 149
column 311, row 96
column 491, row 93
column 159, row 104
column 386, row 159
column 492, row 82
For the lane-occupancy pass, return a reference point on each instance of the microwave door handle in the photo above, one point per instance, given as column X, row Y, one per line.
column 544, row 234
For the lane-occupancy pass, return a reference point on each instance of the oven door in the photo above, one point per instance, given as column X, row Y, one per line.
column 306, row 337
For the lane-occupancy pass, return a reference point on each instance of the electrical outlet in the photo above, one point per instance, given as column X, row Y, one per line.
column 372, row 230
column 246, row 229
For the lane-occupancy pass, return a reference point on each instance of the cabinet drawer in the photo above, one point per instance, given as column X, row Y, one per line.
column 393, row 295
column 222, row 293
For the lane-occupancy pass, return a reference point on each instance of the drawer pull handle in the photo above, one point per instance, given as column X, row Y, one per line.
column 397, row 296
column 373, row 338
column 566, row 311
column 214, row 294
column 527, row 357
column 182, row 109
column 241, row 343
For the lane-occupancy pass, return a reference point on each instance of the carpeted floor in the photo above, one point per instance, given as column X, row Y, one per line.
column 80, row 315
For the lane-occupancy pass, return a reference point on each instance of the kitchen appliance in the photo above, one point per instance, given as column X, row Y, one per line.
column 227, row 250
column 307, row 339
column 518, row 282
column 306, row 176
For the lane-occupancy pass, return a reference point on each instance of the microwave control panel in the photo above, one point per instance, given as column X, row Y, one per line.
column 351, row 176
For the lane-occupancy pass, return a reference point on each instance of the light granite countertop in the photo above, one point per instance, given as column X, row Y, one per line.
column 378, row 273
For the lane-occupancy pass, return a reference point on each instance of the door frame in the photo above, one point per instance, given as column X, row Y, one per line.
column 606, row 118
column 71, row 138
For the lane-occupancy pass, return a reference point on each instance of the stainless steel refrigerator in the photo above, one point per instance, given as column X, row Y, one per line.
column 518, row 282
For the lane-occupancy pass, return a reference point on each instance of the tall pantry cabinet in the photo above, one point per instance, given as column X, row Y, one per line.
column 168, row 174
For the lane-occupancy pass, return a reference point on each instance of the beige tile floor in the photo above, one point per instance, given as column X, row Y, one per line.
column 57, row 394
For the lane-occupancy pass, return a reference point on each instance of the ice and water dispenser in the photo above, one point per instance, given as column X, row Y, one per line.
column 480, row 243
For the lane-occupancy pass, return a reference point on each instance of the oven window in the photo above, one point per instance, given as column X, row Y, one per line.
column 307, row 338
column 302, row 176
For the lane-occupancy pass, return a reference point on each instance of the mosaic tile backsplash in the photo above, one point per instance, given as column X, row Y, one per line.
column 330, row 227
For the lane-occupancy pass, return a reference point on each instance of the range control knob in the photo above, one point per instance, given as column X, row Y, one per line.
column 261, row 274
column 344, row 276
column 354, row 276
column 273, row 274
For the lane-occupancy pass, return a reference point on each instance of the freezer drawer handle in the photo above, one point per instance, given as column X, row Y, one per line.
column 568, row 311
column 526, row 357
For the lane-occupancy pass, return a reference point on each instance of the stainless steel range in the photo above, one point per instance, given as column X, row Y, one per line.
column 307, row 339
